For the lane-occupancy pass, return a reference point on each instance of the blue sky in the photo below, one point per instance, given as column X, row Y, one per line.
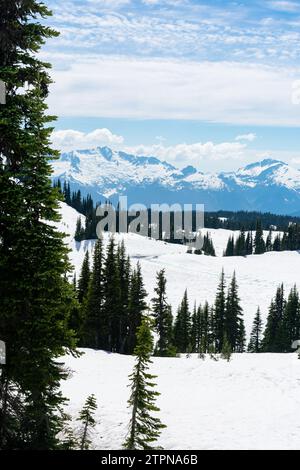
column 214, row 84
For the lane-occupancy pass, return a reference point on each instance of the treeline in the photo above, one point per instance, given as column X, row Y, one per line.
column 250, row 224
column 254, row 243
column 113, row 301
column 85, row 206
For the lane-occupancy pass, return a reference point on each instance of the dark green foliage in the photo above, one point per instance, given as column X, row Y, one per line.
column 163, row 319
column 259, row 243
column 34, row 294
column 93, row 325
column 87, row 420
column 273, row 340
column 112, row 299
column 144, row 429
column 136, row 308
column 234, row 329
column 84, row 279
column 226, row 349
column 229, row 251
column 182, row 327
column 255, row 342
column 219, row 313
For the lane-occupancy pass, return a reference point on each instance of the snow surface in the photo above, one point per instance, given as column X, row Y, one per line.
column 258, row 275
column 252, row 402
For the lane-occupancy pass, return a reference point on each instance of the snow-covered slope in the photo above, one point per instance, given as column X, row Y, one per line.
column 258, row 275
column 269, row 185
column 253, row 402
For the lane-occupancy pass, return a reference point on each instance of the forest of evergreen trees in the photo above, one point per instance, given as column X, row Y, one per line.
column 113, row 300
column 254, row 242
column 250, row 240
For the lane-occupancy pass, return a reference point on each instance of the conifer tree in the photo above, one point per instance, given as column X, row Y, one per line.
column 124, row 270
column 234, row 329
column 255, row 337
column 34, row 293
column 84, row 278
column 112, row 298
column 88, row 422
column 144, row 429
column 229, row 251
column 137, row 307
column 274, row 333
column 259, row 243
column 291, row 320
column 182, row 327
column 226, row 349
column 94, row 327
column 249, row 244
column 162, row 315
column 219, row 313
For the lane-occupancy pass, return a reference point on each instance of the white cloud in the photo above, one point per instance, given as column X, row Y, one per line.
column 226, row 92
column 70, row 139
column 284, row 6
column 247, row 137
column 192, row 154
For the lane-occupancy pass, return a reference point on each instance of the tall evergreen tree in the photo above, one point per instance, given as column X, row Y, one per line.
column 144, row 429
column 274, row 332
column 136, row 309
column 259, row 243
column 94, row 327
column 234, row 328
column 182, row 327
column 219, row 313
column 84, row 278
column 162, row 316
column 124, row 270
column 34, row 293
column 291, row 320
column 112, row 298
column 229, row 251
column 254, row 345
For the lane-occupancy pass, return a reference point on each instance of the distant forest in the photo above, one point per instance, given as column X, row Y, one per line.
column 241, row 220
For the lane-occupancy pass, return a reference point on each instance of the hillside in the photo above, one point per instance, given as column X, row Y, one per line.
column 258, row 275
column 252, row 402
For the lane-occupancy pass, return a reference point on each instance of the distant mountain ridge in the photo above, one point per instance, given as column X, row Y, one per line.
column 268, row 185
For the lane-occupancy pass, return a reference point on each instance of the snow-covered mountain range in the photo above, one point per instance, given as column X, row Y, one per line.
column 269, row 185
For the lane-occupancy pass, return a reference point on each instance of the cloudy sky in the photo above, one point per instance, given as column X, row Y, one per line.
column 215, row 84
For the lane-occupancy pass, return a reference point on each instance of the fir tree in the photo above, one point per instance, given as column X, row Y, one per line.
column 234, row 329
column 259, row 243
column 229, row 251
column 137, row 307
column 84, row 279
column 182, row 328
column 112, row 298
column 88, row 422
column 274, row 333
column 162, row 316
column 249, row 244
column 226, row 349
column 144, row 429
column 94, row 320
column 124, row 270
column 219, row 313
column 291, row 320
column 255, row 342
column 35, row 296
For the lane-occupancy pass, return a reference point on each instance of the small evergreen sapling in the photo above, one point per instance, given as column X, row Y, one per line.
column 144, row 429
column 87, row 419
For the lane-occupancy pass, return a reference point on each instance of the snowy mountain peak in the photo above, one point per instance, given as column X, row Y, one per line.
column 268, row 185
